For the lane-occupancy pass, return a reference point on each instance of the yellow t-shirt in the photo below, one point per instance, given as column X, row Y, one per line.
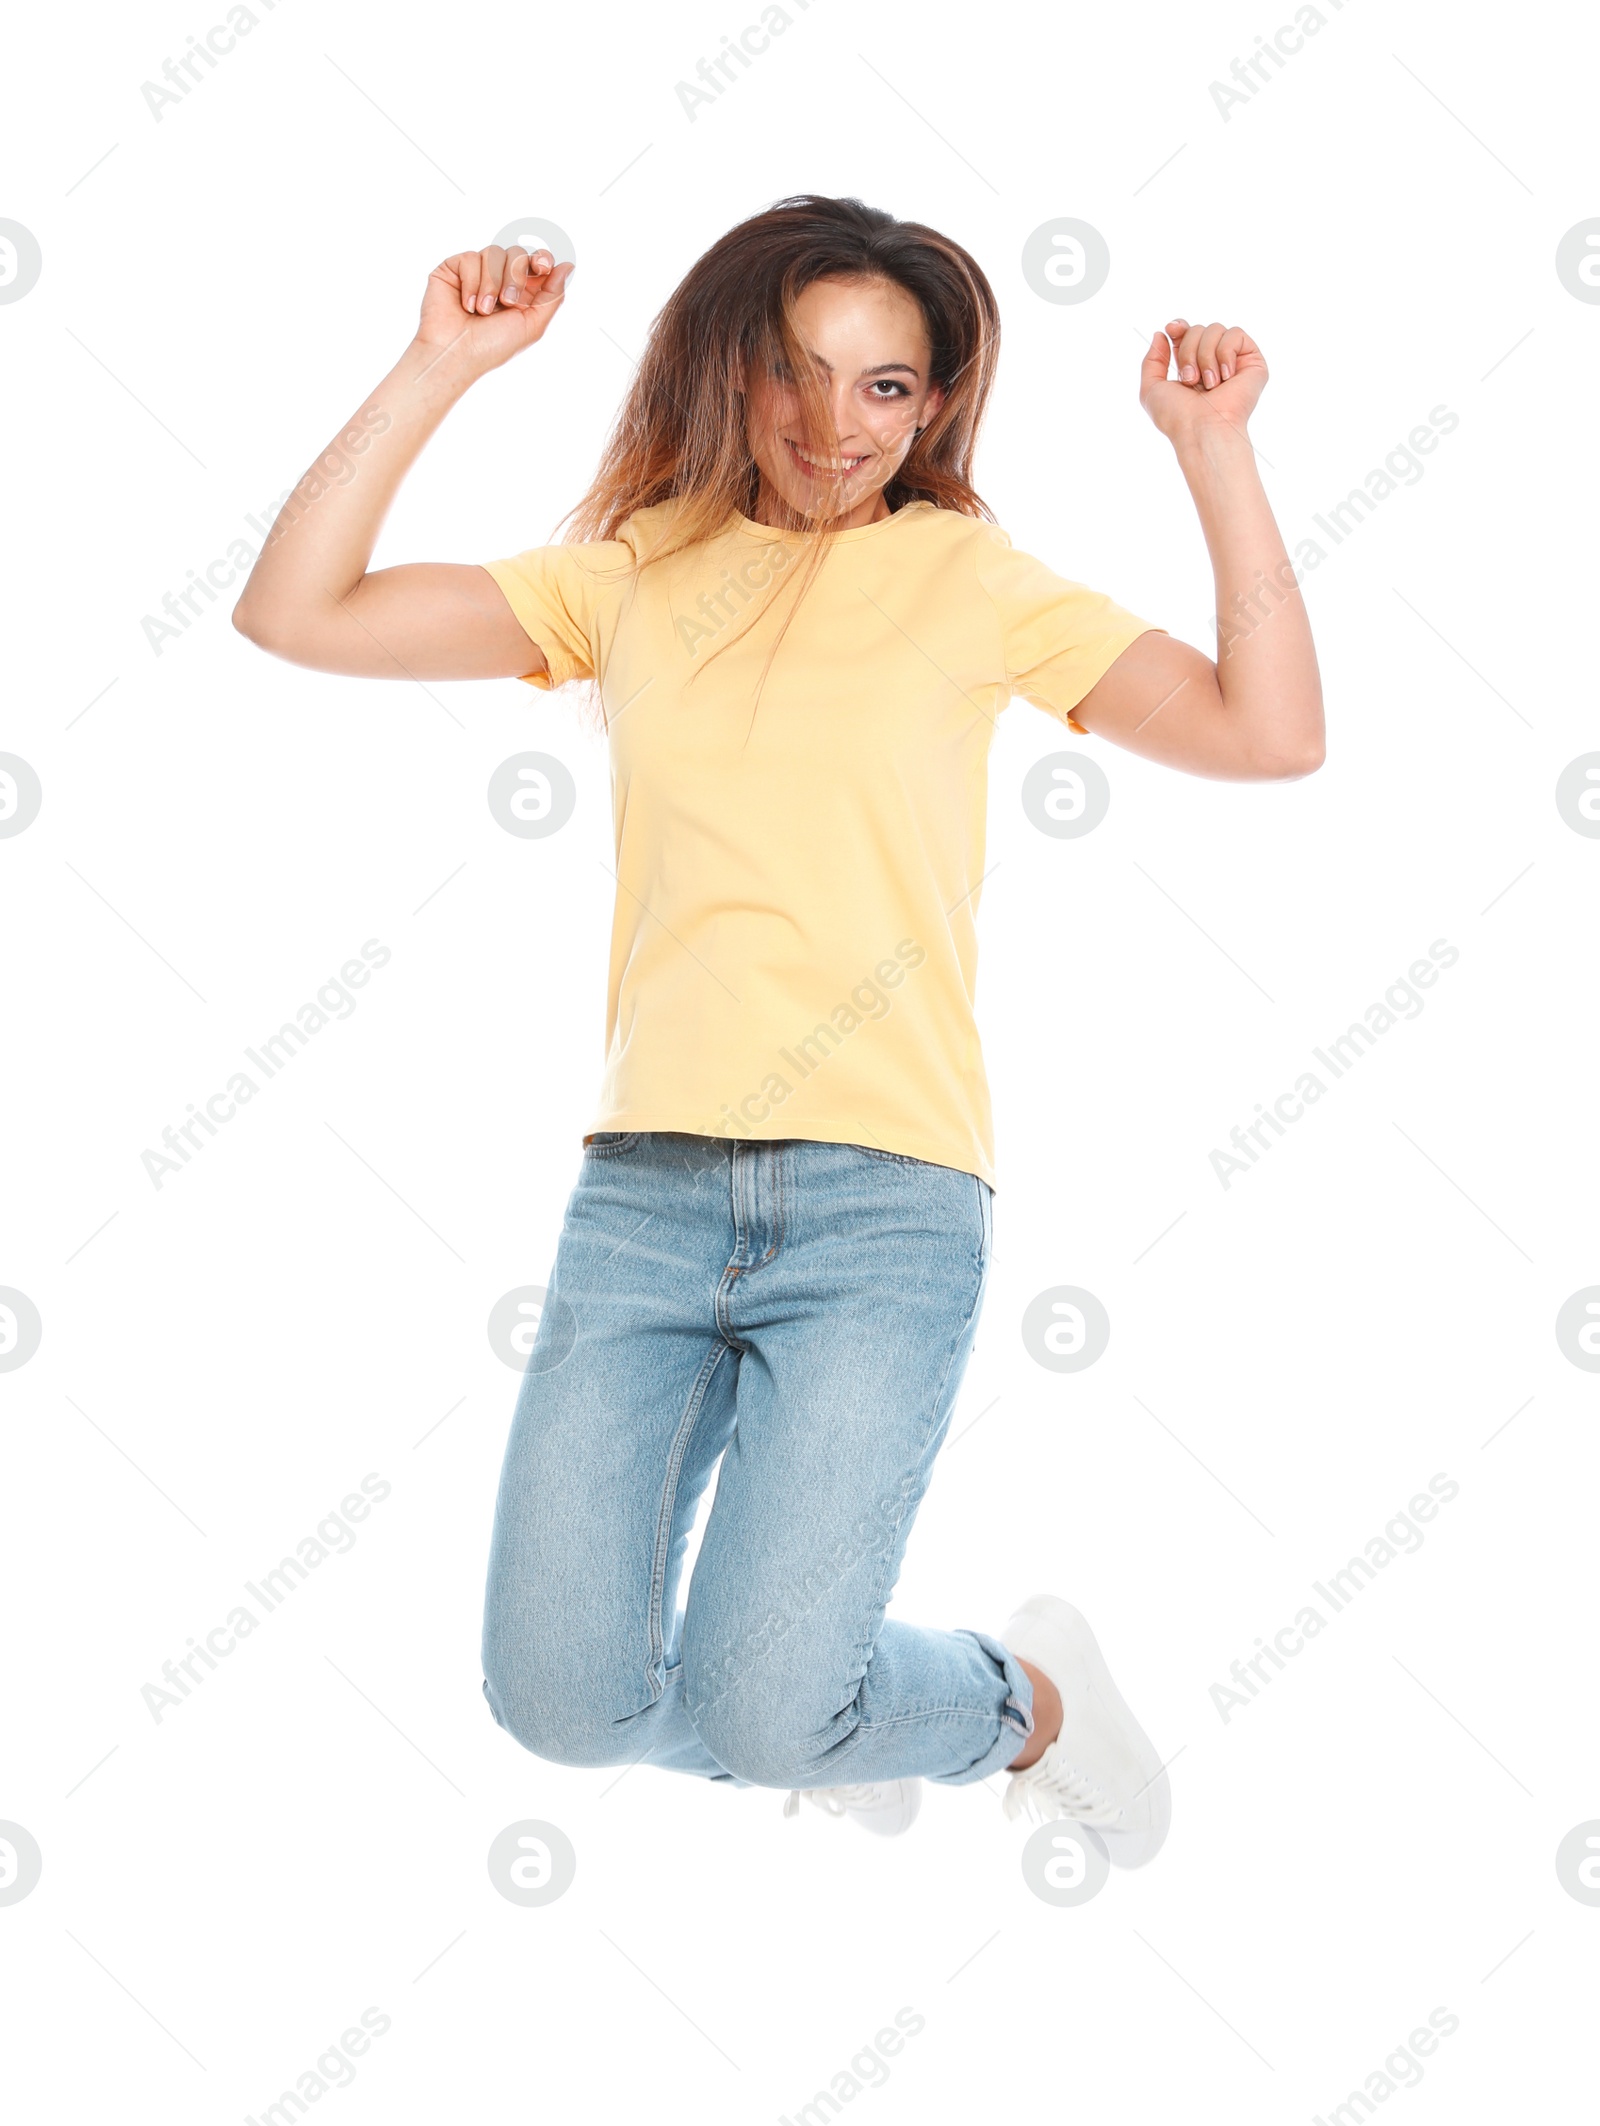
column 793, row 947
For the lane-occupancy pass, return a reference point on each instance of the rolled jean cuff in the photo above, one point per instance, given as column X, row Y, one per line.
column 1016, row 1715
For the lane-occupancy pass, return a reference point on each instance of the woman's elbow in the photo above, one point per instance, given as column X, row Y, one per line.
column 268, row 630
column 1292, row 764
column 1293, row 745
column 250, row 623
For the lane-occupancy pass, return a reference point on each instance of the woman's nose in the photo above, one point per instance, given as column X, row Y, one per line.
column 845, row 425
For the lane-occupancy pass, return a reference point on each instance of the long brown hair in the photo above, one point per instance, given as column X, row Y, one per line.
column 681, row 434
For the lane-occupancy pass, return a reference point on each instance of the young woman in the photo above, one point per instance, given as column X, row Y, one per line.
column 801, row 623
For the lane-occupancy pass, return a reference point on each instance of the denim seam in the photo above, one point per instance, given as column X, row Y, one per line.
column 930, row 1712
column 669, row 1500
column 736, row 1174
column 731, row 1338
column 780, row 1196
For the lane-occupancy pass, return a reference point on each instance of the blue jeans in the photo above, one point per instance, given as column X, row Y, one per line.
column 809, row 1308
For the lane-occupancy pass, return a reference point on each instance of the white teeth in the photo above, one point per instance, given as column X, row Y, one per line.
column 827, row 465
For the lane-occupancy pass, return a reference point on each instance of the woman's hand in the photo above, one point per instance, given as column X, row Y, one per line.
column 486, row 306
column 1221, row 375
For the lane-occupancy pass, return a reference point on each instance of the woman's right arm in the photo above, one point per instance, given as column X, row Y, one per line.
column 309, row 598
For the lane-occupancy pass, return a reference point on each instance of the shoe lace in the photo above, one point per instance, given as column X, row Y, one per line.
column 1054, row 1786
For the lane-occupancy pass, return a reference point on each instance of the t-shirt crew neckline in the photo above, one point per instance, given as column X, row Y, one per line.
column 768, row 532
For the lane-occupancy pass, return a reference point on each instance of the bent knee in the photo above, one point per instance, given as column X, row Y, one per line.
column 551, row 1716
column 757, row 1737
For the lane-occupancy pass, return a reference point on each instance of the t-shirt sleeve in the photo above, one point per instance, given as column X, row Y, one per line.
column 1057, row 637
column 557, row 593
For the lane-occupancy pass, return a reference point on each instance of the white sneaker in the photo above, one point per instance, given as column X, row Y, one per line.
column 888, row 1808
column 1102, row 1769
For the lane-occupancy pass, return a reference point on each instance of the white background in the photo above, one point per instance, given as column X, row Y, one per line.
column 1292, row 1358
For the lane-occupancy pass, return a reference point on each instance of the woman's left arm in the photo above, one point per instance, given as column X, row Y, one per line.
column 1256, row 714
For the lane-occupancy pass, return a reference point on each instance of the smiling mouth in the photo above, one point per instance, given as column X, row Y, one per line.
column 815, row 468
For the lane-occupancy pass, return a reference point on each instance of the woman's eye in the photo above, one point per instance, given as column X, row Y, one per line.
column 894, row 389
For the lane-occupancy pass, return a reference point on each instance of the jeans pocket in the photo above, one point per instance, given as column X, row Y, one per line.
column 985, row 1219
column 892, row 1158
column 606, row 1143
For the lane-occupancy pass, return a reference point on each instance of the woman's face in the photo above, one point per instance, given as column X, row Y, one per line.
column 871, row 352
